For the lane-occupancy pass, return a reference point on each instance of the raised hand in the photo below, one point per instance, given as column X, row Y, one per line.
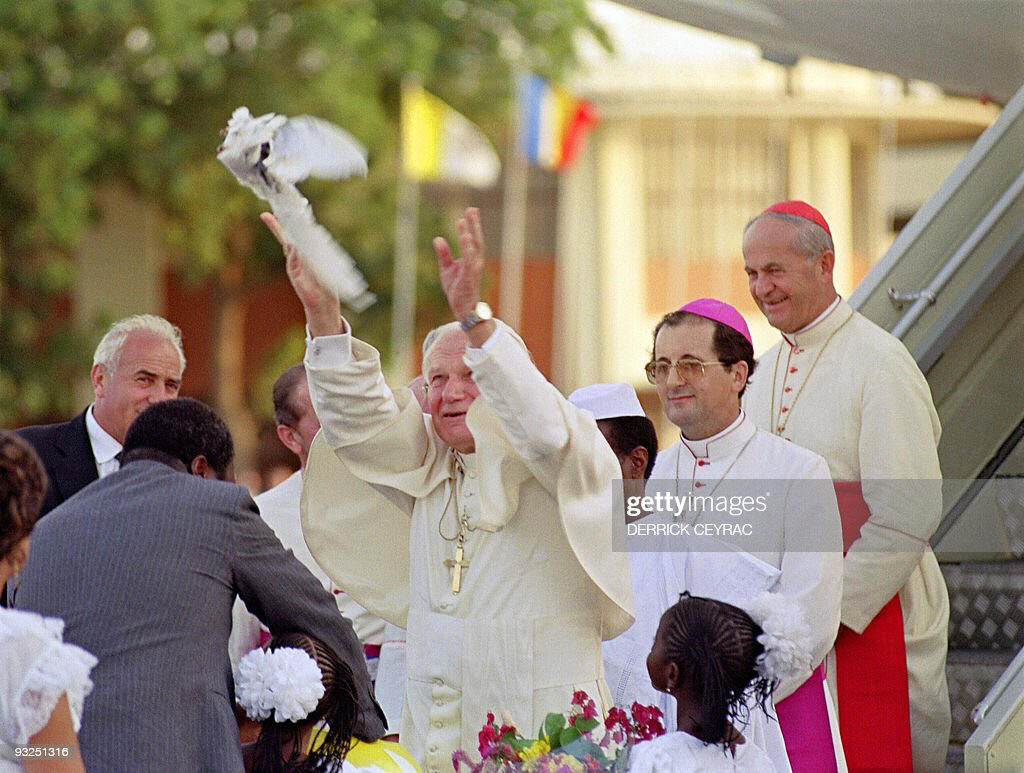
column 323, row 310
column 460, row 278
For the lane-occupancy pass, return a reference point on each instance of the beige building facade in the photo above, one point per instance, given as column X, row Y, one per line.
column 697, row 134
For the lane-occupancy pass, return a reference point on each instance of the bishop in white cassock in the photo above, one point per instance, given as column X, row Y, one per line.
column 702, row 357
column 841, row 386
column 483, row 529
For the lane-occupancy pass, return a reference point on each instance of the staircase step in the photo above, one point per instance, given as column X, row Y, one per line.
column 986, row 605
column 970, row 674
column 955, row 758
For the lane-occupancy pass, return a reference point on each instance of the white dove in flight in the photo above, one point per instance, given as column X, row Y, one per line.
column 270, row 154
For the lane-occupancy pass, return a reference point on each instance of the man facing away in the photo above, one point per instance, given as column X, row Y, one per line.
column 138, row 362
column 144, row 566
column 487, row 530
column 634, row 441
column 297, row 425
column 841, row 386
column 701, row 364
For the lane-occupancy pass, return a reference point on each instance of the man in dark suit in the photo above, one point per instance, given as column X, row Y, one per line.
column 143, row 566
column 137, row 363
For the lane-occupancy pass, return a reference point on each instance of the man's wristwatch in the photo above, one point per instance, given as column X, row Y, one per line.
column 480, row 313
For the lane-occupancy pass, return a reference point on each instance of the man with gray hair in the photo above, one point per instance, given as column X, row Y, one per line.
column 137, row 363
column 841, row 386
column 484, row 528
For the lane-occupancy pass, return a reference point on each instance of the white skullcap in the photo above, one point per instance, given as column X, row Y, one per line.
column 608, row 401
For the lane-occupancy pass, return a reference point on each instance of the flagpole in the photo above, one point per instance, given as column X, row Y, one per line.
column 513, row 223
column 403, row 299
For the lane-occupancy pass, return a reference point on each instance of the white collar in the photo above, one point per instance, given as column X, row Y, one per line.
column 828, row 310
column 723, row 444
column 104, row 446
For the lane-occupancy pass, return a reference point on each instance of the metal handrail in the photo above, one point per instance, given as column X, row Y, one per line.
column 925, row 298
column 979, row 712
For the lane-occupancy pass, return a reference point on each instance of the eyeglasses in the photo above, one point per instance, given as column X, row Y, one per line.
column 687, row 368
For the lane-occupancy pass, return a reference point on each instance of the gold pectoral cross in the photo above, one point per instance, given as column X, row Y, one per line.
column 457, row 565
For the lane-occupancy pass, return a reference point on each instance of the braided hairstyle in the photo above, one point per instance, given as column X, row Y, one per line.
column 714, row 645
column 22, row 486
column 338, row 709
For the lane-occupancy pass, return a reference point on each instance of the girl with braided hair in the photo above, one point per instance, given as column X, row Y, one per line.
column 306, row 698
column 43, row 681
column 708, row 655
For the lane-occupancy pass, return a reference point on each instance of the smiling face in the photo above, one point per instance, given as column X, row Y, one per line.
column 147, row 371
column 702, row 406
column 450, row 391
column 790, row 287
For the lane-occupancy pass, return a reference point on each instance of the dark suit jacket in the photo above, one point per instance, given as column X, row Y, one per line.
column 67, row 456
column 143, row 567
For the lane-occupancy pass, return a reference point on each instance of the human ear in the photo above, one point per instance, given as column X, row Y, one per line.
column 638, row 459
column 671, row 678
column 201, row 467
column 98, row 376
column 287, row 437
column 740, row 371
column 827, row 262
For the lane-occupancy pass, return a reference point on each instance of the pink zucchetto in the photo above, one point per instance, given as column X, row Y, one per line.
column 799, row 209
column 717, row 311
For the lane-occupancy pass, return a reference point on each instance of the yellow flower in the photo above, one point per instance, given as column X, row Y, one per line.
column 553, row 762
column 534, row 750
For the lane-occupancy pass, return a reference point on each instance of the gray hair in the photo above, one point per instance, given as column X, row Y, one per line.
column 811, row 239
column 108, row 351
column 433, row 337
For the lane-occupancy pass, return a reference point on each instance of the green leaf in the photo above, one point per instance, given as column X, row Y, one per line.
column 553, row 724
column 586, row 724
column 567, row 736
column 519, row 743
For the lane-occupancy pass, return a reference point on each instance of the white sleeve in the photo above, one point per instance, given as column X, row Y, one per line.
column 900, row 479
column 391, row 675
column 527, row 405
column 38, row 669
column 812, row 574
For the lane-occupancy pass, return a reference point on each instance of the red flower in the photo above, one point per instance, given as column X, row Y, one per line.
column 647, row 721
column 487, row 737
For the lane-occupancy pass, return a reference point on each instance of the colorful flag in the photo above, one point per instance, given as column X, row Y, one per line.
column 554, row 122
column 440, row 144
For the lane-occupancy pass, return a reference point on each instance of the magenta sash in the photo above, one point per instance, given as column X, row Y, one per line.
column 803, row 718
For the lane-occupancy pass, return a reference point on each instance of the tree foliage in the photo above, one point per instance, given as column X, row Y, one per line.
column 135, row 91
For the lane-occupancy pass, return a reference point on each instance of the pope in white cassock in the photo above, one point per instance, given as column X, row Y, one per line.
column 484, row 529
column 702, row 359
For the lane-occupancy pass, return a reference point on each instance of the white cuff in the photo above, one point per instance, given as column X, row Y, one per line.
column 476, row 354
column 331, row 351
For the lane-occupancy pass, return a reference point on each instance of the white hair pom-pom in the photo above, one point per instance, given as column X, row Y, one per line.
column 287, row 682
column 251, row 690
column 786, row 638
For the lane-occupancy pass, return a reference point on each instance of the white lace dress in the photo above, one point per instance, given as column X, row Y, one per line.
column 683, row 753
column 36, row 669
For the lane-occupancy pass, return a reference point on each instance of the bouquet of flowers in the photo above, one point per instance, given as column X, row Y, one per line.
column 579, row 742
